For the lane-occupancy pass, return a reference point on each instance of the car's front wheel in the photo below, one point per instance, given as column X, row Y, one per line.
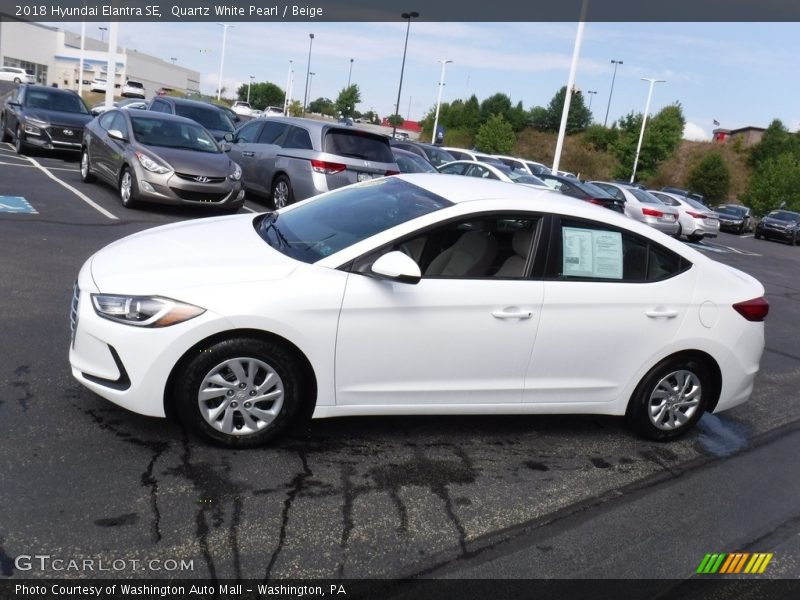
column 127, row 188
column 794, row 239
column 670, row 399
column 86, row 167
column 19, row 144
column 240, row 393
column 679, row 233
column 695, row 237
column 3, row 133
column 282, row 194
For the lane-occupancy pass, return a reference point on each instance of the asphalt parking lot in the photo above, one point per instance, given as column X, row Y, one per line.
column 508, row 497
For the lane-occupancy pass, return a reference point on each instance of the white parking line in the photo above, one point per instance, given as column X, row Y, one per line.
column 250, row 209
column 78, row 193
column 33, row 167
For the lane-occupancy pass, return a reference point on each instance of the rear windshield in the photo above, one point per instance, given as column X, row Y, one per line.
column 643, row 196
column 735, row 211
column 358, row 144
column 135, row 84
column 593, row 190
column 437, row 156
column 322, row 226
column 210, row 118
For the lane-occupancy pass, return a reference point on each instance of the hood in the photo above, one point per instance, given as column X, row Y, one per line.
column 205, row 252
column 777, row 222
column 210, row 164
column 56, row 117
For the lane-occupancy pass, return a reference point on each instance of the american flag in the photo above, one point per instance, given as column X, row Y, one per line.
column 716, row 123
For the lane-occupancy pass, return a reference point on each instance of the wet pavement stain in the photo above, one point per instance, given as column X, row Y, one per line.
column 23, row 385
column 600, row 463
column 127, row 519
column 536, row 466
column 721, row 436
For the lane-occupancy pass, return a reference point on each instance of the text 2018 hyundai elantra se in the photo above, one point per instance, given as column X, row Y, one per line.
column 415, row 294
column 156, row 157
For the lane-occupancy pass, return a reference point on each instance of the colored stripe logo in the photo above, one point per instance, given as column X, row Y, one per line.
column 737, row 562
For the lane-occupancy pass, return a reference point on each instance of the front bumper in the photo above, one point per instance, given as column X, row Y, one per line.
column 173, row 188
column 55, row 138
column 776, row 234
column 731, row 225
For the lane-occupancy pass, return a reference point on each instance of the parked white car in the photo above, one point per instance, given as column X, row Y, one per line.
column 482, row 170
column 644, row 207
column 696, row 220
column 16, row 75
column 133, row 89
column 98, row 84
column 520, row 164
column 415, row 294
column 242, row 108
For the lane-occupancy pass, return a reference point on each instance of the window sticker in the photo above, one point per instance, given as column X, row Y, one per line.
column 592, row 253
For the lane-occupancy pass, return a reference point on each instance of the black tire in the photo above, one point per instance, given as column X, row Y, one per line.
column 639, row 415
column 20, row 147
column 4, row 135
column 695, row 237
column 17, row 80
column 741, row 229
column 793, row 241
column 191, row 375
column 757, row 235
column 281, row 193
column 128, row 199
column 86, row 168
column 678, row 235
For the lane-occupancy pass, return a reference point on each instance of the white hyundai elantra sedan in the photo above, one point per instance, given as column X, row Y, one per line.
column 415, row 294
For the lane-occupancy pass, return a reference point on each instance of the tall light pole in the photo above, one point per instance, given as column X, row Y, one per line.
column 310, row 81
column 113, row 32
column 644, row 122
column 408, row 16
column 350, row 75
column 592, row 94
column 225, row 28
column 288, row 83
column 80, row 61
column 248, row 87
column 616, row 63
column 102, row 33
column 308, row 71
column 439, row 99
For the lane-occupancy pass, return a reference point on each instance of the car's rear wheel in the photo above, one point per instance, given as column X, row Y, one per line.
column 17, row 80
column 127, row 188
column 240, row 393
column 757, row 235
column 670, row 399
column 695, row 237
column 86, row 167
column 3, row 133
column 794, row 239
column 679, row 233
column 282, row 194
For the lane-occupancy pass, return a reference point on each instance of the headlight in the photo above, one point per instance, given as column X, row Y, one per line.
column 237, row 173
column 144, row 311
column 151, row 165
column 34, row 126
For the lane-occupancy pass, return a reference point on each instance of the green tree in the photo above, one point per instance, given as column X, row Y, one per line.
column 295, row 109
column 578, row 119
column 347, row 100
column 599, row 137
column 776, row 180
column 495, row 136
column 517, row 117
column 497, row 104
column 776, row 141
column 262, row 94
column 539, row 119
column 323, row 106
column 395, row 120
column 662, row 137
column 711, row 177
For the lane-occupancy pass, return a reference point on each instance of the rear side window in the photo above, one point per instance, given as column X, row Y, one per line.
column 159, row 106
column 591, row 251
column 248, row 133
column 272, row 132
column 298, row 138
column 358, row 144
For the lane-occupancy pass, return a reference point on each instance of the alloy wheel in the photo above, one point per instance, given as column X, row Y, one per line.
column 280, row 196
column 125, row 188
column 674, row 400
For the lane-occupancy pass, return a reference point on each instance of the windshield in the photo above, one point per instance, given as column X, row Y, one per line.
column 734, row 211
column 322, row 226
column 538, row 169
column 593, row 190
column 171, row 134
column 522, row 177
column 210, row 117
column 437, row 156
column 55, row 100
column 782, row 215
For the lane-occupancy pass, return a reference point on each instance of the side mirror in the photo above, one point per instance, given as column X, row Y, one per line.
column 397, row 266
column 116, row 134
column 13, row 103
column 225, row 147
column 228, row 137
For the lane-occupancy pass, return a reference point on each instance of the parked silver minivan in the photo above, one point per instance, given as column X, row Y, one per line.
column 291, row 158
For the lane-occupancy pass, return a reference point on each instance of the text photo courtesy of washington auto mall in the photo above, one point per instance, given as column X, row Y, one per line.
column 382, row 300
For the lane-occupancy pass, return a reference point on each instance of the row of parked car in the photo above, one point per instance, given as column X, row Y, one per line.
column 181, row 151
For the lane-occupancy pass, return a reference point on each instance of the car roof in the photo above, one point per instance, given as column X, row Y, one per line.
column 36, row 86
column 458, row 189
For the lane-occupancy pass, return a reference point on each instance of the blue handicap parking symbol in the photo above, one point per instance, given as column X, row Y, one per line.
column 16, row 204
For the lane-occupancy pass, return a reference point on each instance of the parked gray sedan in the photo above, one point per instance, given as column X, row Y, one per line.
column 292, row 159
column 157, row 157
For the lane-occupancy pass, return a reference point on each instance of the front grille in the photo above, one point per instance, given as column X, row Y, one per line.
column 193, row 178
column 200, row 196
column 58, row 134
column 73, row 311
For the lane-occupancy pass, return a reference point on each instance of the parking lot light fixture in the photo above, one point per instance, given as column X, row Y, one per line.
column 288, row 84
column 308, row 71
column 102, row 33
column 225, row 28
column 248, row 87
column 350, row 75
column 616, row 63
column 592, row 94
column 644, row 122
column 408, row 16
column 173, row 59
column 439, row 99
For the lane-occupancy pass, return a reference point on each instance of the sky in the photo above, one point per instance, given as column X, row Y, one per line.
column 739, row 74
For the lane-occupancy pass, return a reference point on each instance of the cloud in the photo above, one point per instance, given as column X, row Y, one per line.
column 695, row 133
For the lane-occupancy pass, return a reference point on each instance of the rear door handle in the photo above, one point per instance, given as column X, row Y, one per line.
column 661, row 313
column 512, row 314
column 248, row 154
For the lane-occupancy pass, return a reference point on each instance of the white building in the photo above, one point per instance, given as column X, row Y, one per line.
column 53, row 56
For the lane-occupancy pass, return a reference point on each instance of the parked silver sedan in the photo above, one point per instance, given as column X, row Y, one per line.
column 644, row 207
column 291, row 159
column 158, row 157
column 696, row 220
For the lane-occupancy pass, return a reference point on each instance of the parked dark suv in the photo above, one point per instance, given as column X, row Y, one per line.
column 213, row 118
column 44, row 117
column 780, row 224
column 735, row 217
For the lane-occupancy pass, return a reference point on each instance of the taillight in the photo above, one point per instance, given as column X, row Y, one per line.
column 328, row 168
column 595, row 201
column 696, row 215
column 392, row 173
column 652, row 212
column 753, row 310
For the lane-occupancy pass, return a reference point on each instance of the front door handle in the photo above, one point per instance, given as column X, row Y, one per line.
column 248, row 154
column 512, row 314
column 661, row 313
